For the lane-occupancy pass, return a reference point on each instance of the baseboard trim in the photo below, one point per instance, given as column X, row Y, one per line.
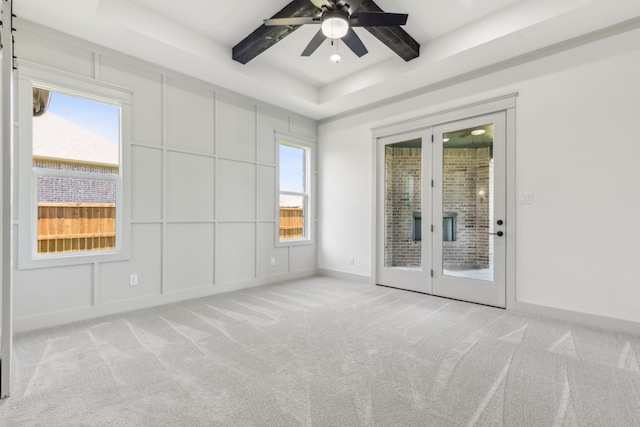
column 346, row 276
column 47, row 320
column 31, row 323
column 570, row 316
column 587, row 319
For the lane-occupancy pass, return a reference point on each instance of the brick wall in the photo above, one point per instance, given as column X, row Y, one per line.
column 467, row 175
column 467, row 181
column 403, row 188
column 52, row 189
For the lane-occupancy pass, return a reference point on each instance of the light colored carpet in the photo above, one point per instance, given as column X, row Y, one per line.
column 324, row 352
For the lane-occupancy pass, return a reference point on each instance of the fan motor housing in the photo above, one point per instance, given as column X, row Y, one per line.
column 335, row 24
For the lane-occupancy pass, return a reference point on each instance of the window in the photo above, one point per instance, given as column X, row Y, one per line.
column 449, row 226
column 416, row 227
column 76, row 172
column 71, row 169
column 294, row 177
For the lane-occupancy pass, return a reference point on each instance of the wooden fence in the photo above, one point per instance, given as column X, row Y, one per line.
column 73, row 227
column 291, row 223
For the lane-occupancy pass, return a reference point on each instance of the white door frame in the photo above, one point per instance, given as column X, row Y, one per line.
column 6, row 249
column 506, row 103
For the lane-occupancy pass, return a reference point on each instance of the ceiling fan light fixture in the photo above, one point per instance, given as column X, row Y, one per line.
column 334, row 24
column 477, row 132
column 335, row 57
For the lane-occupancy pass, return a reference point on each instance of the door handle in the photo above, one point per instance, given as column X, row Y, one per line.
column 499, row 234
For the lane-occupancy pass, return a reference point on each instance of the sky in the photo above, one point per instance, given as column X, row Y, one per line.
column 103, row 119
column 291, row 169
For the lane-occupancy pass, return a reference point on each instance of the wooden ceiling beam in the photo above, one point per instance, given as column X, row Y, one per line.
column 396, row 38
column 264, row 37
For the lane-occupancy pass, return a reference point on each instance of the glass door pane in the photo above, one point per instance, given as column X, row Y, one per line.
column 403, row 205
column 467, row 203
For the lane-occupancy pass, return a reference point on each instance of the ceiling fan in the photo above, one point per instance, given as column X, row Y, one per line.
column 337, row 18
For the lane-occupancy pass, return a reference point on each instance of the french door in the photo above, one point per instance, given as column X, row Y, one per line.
column 469, row 199
column 441, row 217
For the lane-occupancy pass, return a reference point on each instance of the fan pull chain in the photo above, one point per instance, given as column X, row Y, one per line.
column 335, row 57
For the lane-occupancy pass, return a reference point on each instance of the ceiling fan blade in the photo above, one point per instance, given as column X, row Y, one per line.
column 291, row 21
column 354, row 43
column 378, row 19
column 315, row 42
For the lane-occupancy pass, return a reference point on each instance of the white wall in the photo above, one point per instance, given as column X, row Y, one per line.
column 577, row 150
column 203, row 192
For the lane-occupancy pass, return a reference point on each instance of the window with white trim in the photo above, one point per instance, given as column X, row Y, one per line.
column 294, row 198
column 70, row 169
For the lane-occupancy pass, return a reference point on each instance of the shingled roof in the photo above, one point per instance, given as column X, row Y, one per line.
column 58, row 139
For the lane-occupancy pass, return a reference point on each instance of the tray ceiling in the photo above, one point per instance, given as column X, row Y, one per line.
column 457, row 37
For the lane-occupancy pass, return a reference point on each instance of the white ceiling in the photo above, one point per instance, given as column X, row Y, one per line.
column 196, row 36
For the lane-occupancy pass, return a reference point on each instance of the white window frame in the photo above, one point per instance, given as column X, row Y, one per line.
column 309, row 186
column 30, row 75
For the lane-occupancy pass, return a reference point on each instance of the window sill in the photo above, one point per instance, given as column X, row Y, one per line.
column 27, row 261
column 293, row 242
